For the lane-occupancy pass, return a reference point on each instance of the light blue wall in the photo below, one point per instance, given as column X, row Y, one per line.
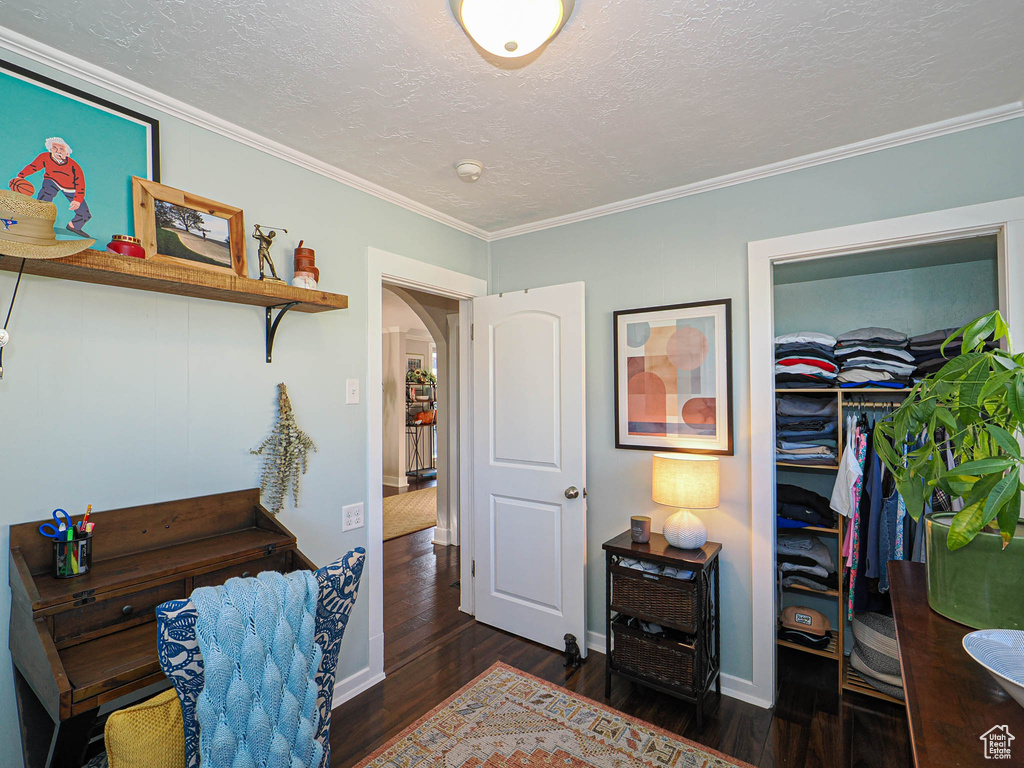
column 116, row 397
column 694, row 249
column 913, row 300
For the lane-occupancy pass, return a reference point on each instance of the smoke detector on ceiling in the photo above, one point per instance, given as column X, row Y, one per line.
column 469, row 170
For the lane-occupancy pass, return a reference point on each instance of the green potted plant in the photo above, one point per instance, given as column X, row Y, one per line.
column 420, row 376
column 974, row 407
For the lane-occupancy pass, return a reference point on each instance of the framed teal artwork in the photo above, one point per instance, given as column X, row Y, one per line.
column 60, row 144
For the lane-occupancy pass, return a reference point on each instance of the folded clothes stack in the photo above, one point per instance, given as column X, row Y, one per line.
column 798, row 508
column 926, row 349
column 874, row 357
column 875, row 655
column 805, row 626
column 804, row 561
column 806, row 429
column 805, row 359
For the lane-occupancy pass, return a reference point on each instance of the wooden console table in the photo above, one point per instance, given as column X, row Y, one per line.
column 81, row 642
column 684, row 660
column 951, row 699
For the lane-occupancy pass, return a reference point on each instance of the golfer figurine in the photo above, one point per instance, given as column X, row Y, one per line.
column 265, row 241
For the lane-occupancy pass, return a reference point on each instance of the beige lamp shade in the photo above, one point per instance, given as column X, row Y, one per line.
column 685, row 480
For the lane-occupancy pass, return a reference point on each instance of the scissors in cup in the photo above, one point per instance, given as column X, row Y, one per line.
column 63, row 523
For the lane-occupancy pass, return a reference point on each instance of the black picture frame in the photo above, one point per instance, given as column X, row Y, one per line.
column 78, row 93
column 666, row 444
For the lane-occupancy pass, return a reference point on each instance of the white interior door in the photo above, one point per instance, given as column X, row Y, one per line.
column 529, row 506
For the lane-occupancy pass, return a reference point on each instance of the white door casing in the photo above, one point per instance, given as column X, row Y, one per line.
column 529, row 449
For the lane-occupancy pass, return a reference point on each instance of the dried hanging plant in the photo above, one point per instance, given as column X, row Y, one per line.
column 284, row 455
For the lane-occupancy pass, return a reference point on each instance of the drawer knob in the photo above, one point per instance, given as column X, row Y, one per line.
column 127, row 610
column 245, row 574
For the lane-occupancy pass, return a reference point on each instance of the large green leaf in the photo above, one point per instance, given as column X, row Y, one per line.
column 973, row 384
column 1005, row 440
column 965, row 526
column 957, row 367
column 1015, row 396
column 978, row 330
column 947, row 419
column 984, row 466
column 1002, row 492
column 1008, row 517
column 912, row 491
column 981, row 489
column 995, row 384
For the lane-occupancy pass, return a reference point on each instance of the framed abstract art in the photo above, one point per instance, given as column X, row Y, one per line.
column 673, row 378
column 63, row 145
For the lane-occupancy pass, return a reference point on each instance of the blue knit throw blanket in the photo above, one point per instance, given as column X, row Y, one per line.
column 258, row 708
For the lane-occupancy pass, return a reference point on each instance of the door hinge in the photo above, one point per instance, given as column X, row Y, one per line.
column 472, row 569
column 472, row 331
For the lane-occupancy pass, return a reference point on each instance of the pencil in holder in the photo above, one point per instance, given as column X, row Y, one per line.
column 72, row 558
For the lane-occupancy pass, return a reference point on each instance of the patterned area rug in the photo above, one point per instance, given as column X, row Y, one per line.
column 508, row 718
column 409, row 512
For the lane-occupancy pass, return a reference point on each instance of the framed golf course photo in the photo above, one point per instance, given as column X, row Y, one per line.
column 185, row 229
column 62, row 145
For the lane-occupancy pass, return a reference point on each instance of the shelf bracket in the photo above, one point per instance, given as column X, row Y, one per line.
column 272, row 323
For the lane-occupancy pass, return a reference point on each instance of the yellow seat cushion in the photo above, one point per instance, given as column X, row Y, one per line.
column 148, row 735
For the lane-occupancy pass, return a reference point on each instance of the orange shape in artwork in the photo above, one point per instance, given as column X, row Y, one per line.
column 699, row 410
column 646, row 398
column 688, row 348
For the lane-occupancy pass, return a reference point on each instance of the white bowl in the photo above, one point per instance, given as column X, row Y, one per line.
column 1001, row 652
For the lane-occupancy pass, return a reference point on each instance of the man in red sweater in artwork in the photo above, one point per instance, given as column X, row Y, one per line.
column 62, row 175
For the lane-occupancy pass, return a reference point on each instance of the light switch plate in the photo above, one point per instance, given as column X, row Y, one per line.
column 352, row 391
column 352, row 516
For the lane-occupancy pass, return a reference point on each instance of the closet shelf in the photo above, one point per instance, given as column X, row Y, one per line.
column 813, row 529
column 104, row 268
column 806, row 466
column 854, row 682
column 831, row 652
column 821, row 592
column 834, row 390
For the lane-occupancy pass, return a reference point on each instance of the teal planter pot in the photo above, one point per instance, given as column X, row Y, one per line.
column 980, row 585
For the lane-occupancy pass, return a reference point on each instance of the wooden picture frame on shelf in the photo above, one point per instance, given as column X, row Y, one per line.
column 181, row 228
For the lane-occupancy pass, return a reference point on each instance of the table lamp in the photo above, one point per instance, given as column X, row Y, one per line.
column 687, row 481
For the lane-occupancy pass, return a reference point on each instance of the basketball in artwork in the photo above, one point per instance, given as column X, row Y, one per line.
column 21, row 186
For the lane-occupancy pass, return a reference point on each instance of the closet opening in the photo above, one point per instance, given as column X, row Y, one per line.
column 852, row 333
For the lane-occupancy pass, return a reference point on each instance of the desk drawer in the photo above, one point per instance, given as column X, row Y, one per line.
column 279, row 561
column 109, row 614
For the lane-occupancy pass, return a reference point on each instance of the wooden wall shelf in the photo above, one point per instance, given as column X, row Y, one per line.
column 104, row 268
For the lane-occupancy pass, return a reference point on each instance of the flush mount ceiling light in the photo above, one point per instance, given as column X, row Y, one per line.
column 511, row 28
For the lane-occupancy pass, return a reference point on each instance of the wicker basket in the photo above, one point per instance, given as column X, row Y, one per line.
column 661, row 660
column 670, row 602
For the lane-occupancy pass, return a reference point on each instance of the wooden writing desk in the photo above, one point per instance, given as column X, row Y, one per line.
column 81, row 642
column 951, row 699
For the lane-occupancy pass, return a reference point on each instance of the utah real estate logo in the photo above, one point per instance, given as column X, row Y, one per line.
column 997, row 742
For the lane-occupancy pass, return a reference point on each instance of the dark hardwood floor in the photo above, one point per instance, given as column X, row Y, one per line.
column 432, row 650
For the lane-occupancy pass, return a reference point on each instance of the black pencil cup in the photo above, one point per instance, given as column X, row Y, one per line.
column 72, row 558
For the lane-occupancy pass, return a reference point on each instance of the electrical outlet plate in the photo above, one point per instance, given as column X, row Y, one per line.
column 352, row 516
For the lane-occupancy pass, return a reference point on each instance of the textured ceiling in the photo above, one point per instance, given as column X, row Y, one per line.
column 633, row 97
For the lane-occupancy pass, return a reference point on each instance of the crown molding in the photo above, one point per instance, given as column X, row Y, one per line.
column 909, row 136
column 70, row 65
column 102, row 78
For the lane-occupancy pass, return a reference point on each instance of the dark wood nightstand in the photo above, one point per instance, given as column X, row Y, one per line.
column 683, row 660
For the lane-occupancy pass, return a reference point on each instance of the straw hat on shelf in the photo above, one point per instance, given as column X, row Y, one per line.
column 26, row 229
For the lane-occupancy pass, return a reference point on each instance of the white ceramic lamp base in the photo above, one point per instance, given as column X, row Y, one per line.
column 685, row 530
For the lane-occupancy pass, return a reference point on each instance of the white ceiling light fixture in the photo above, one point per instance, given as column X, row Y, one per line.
column 511, row 28
column 469, row 170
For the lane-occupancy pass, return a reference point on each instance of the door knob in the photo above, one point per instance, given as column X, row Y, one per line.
column 572, row 492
